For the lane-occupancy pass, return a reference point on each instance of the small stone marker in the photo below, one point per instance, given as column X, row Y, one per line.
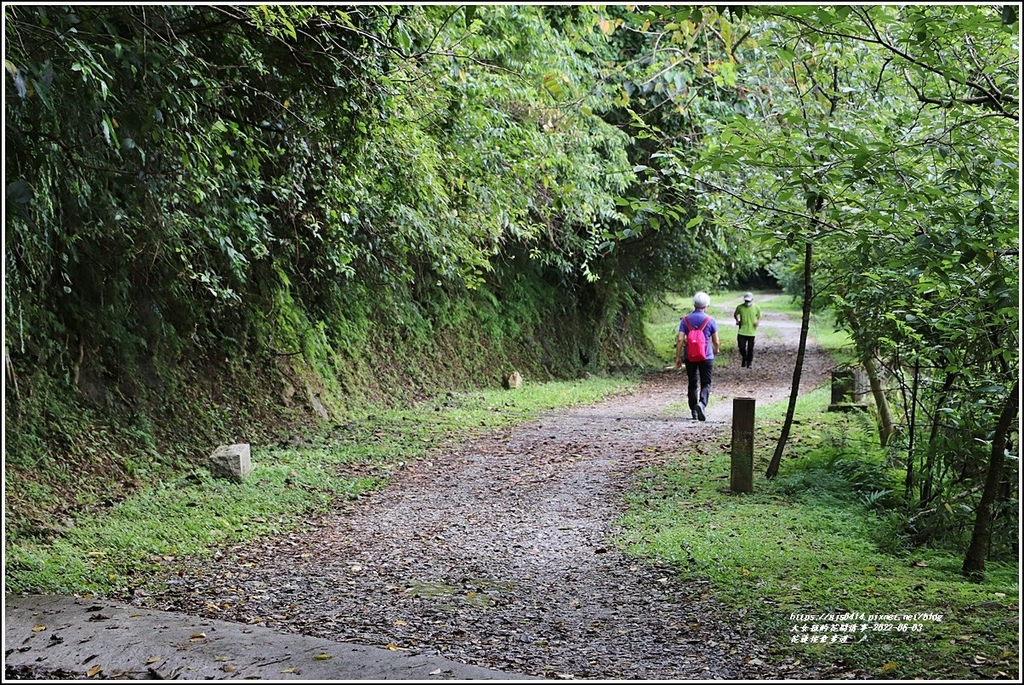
column 847, row 391
column 231, row 461
column 514, row 380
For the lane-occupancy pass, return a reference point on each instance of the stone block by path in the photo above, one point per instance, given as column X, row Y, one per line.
column 849, row 388
column 231, row 461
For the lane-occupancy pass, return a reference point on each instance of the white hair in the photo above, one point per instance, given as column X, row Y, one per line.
column 701, row 300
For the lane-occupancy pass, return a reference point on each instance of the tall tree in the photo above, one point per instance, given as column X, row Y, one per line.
column 981, row 536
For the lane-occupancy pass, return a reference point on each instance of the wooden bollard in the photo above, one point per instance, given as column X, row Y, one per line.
column 741, row 478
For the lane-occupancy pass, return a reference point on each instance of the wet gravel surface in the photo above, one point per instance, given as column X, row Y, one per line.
column 500, row 552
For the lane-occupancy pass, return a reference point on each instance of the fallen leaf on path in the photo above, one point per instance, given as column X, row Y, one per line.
column 94, row 670
column 323, row 657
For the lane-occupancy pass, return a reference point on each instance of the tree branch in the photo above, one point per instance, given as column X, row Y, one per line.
column 994, row 97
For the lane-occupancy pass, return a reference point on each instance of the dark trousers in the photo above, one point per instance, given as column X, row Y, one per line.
column 746, row 345
column 703, row 371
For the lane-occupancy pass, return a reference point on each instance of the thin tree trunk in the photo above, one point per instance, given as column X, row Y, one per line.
column 885, row 427
column 908, row 482
column 885, row 421
column 929, row 466
column 974, row 560
column 805, row 319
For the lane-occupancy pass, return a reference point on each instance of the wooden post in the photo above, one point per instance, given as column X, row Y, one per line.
column 742, row 476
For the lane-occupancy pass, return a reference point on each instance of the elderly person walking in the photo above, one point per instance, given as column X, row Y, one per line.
column 699, row 362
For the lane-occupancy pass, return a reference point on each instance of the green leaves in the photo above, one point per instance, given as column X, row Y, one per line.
column 882, row 134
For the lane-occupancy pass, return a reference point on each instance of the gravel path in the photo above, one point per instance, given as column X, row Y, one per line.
column 498, row 553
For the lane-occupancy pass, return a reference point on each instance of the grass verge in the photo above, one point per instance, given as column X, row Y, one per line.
column 106, row 551
column 813, row 557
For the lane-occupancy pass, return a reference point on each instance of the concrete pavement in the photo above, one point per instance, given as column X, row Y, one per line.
column 112, row 640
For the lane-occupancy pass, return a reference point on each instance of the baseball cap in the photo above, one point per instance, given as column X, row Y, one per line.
column 748, row 297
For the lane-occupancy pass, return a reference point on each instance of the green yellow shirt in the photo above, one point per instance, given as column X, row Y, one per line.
column 748, row 314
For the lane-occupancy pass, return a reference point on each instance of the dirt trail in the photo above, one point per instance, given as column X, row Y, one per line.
column 498, row 553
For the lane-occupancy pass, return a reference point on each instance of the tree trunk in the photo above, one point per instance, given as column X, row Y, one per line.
column 929, row 465
column 908, row 482
column 974, row 560
column 805, row 320
column 885, row 426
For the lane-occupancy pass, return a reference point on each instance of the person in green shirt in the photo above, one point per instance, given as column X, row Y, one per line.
column 748, row 316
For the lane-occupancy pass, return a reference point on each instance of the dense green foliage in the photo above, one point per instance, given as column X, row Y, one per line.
column 220, row 218
column 212, row 204
column 887, row 137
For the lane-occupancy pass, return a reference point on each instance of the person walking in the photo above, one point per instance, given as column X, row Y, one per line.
column 699, row 362
column 748, row 316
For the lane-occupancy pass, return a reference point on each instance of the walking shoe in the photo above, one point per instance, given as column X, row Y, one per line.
column 700, row 412
column 693, row 414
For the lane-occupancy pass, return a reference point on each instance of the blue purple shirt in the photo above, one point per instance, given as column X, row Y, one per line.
column 695, row 319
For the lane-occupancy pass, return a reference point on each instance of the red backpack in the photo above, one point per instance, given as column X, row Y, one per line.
column 696, row 343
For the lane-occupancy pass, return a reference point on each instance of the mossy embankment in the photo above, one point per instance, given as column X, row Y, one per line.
column 85, row 426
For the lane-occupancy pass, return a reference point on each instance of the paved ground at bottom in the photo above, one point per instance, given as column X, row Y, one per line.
column 112, row 640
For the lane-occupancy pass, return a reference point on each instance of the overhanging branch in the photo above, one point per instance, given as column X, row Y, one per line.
column 811, row 219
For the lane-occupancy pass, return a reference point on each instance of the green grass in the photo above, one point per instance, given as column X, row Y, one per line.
column 105, row 552
column 822, row 539
column 822, row 328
